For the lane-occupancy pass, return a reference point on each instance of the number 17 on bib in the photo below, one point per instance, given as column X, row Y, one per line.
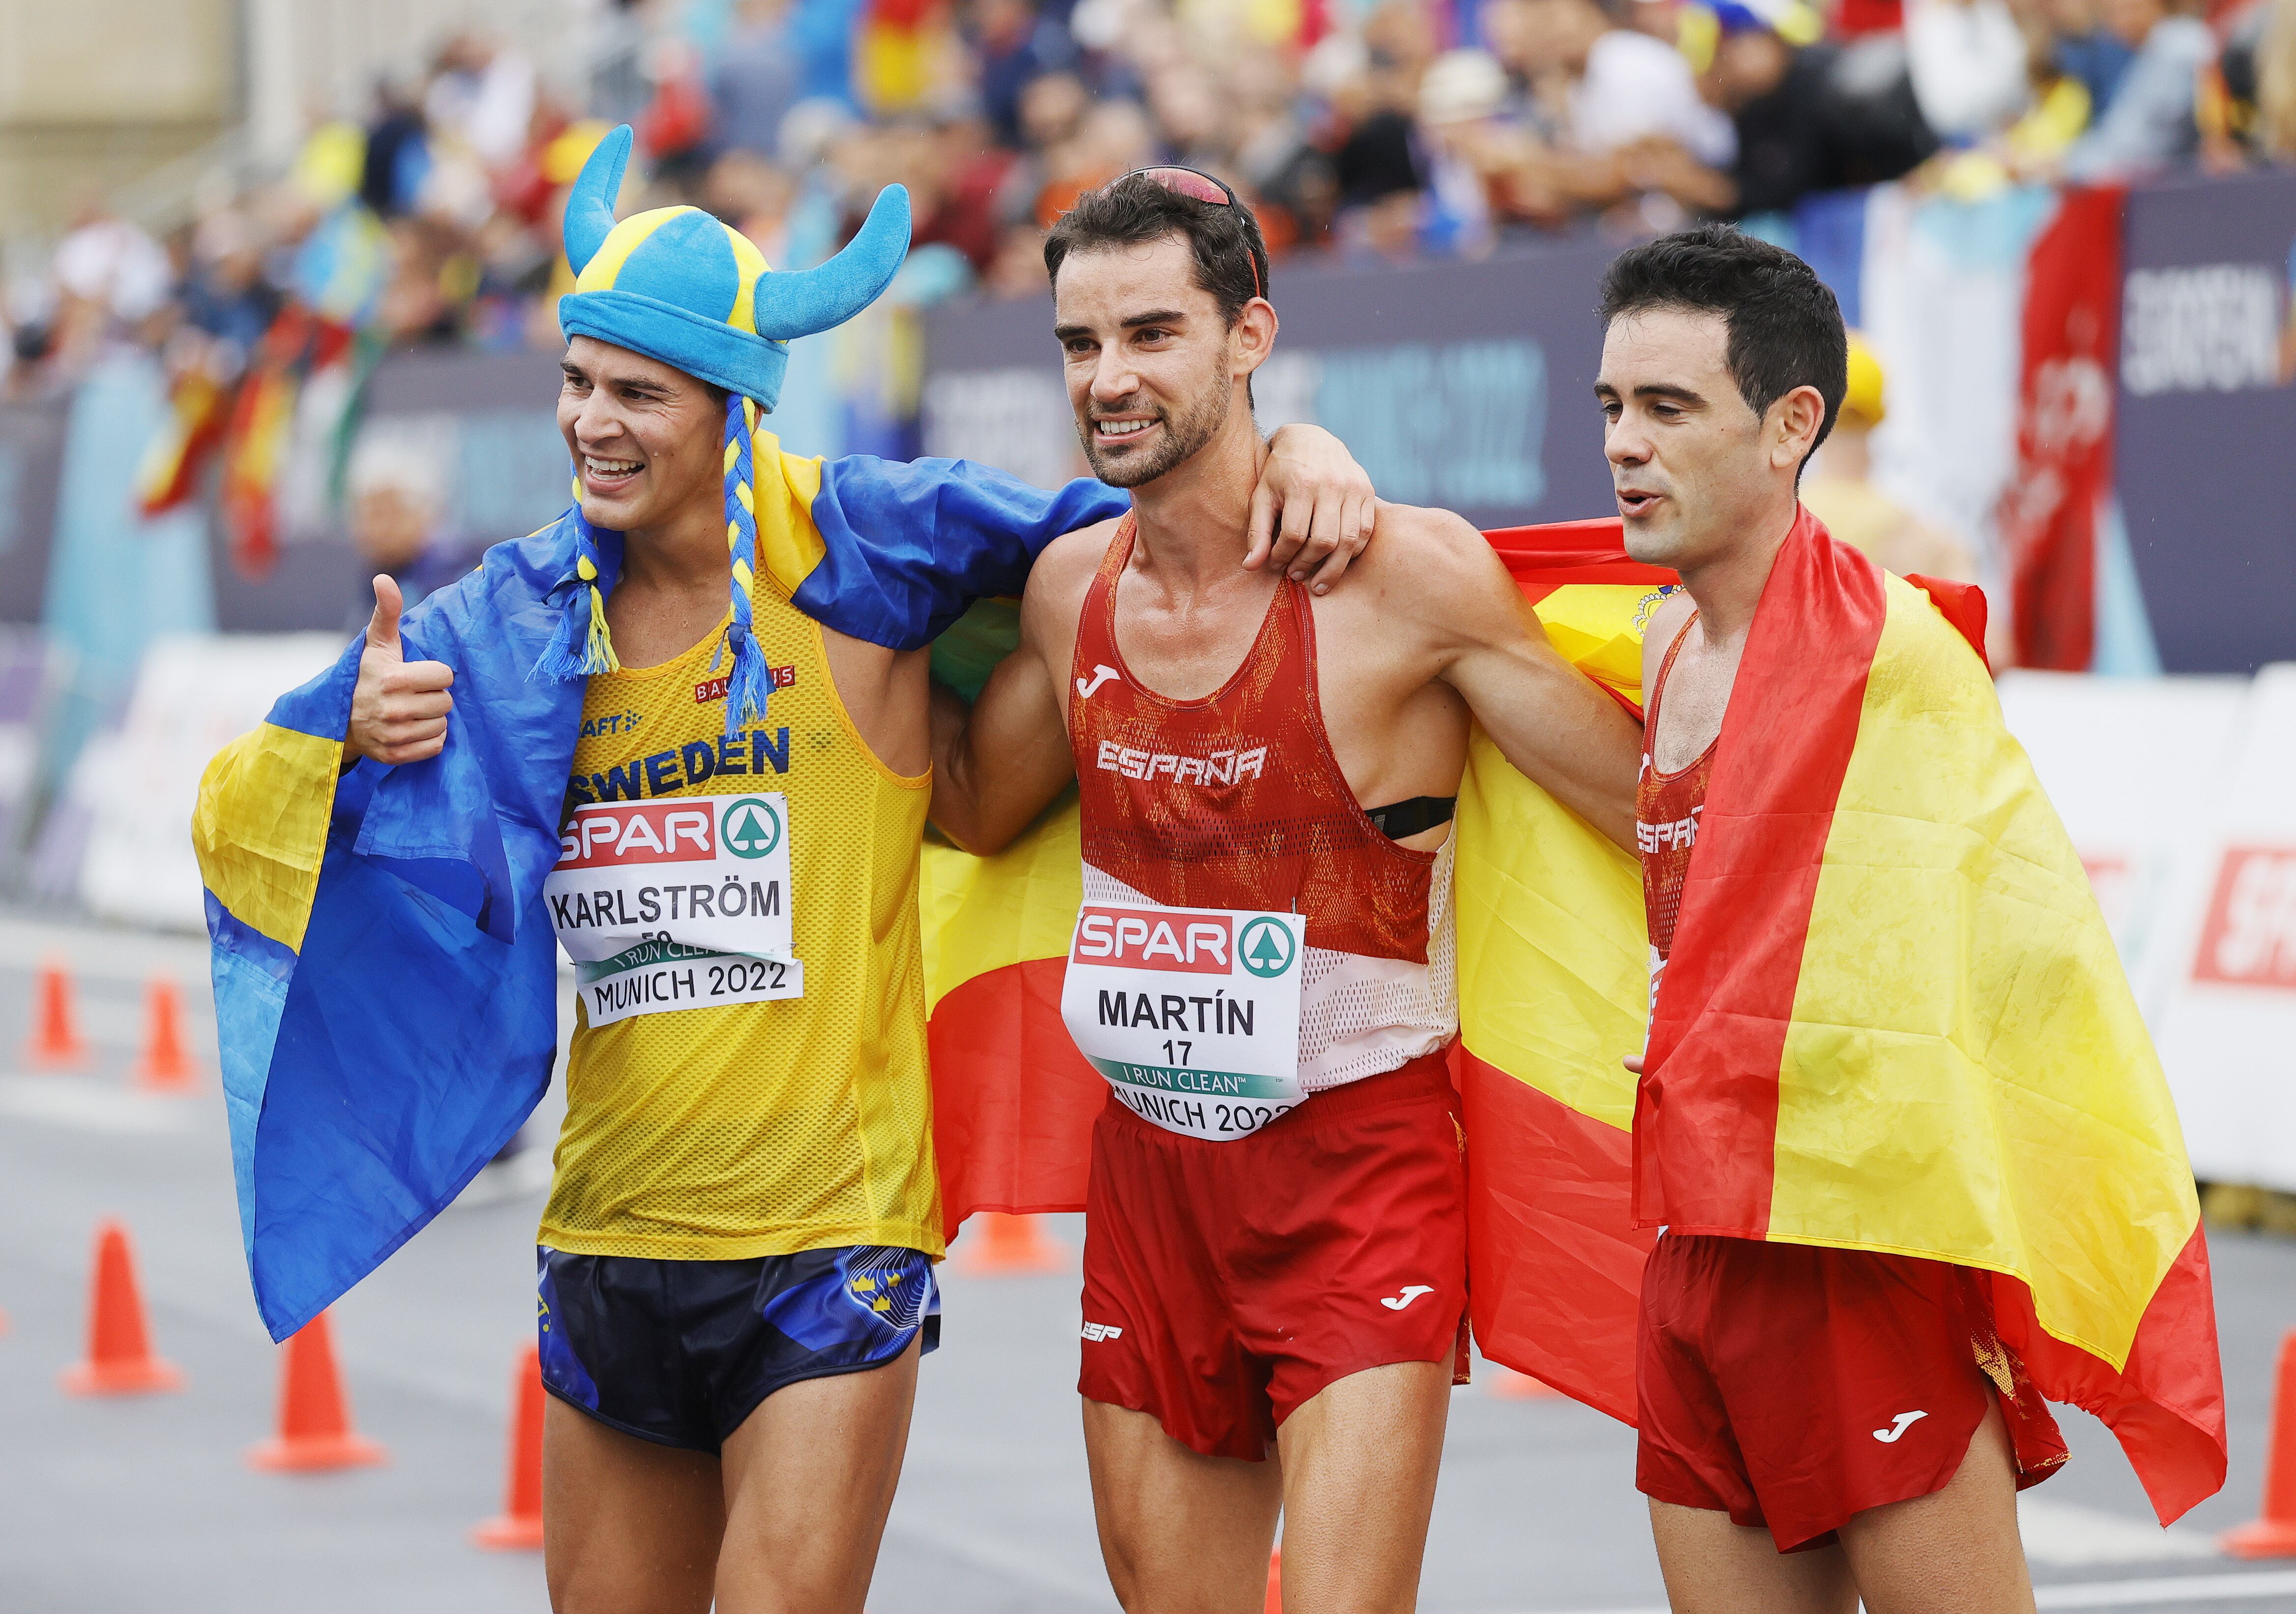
column 1191, row 1014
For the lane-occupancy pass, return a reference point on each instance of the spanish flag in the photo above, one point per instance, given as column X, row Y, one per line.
column 1894, row 1019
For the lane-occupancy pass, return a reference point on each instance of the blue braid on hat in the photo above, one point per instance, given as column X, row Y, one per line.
column 582, row 646
column 748, row 683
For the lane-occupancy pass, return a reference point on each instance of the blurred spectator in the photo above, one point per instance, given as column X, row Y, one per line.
column 2148, row 123
column 1016, row 45
column 1620, row 86
column 109, row 277
column 1808, row 118
column 2085, row 48
column 2275, row 84
column 398, row 157
column 398, row 522
column 758, row 77
column 1967, row 59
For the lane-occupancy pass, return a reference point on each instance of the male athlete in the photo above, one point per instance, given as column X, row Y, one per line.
column 736, row 1258
column 1844, row 967
column 1274, row 1260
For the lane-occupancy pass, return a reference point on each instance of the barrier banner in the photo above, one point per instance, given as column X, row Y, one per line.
column 2206, row 413
column 136, row 784
column 31, row 467
column 1467, row 385
column 2065, row 430
column 2228, row 1036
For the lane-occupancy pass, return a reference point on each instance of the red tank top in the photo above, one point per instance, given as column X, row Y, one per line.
column 1234, row 800
column 1666, row 808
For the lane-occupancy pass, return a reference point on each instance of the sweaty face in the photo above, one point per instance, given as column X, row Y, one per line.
column 646, row 438
column 1149, row 362
column 1689, row 461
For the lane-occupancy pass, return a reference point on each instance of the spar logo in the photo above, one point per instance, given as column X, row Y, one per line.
column 2249, row 938
column 612, row 833
column 1149, row 938
column 1266, row 948
column 751, row 827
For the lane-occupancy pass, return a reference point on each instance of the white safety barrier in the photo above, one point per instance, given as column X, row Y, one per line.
column 194, row 694
column 2228, row 962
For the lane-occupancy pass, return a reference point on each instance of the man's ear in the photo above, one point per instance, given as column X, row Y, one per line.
column 1254, row 332
column 1797, row 417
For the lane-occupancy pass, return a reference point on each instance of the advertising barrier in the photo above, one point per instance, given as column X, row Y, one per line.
column 2206, row 414
column 1468, row 386
column 136, row 785
column 2228, row 1032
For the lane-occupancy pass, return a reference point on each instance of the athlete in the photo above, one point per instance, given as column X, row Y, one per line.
column 735, row 1263
column 1824, row 1416
column 1274, row 1259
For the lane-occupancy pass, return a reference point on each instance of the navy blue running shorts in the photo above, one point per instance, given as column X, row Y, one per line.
column 680, row 1351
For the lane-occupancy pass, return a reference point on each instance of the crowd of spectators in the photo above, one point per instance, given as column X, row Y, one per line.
column 1382, row 129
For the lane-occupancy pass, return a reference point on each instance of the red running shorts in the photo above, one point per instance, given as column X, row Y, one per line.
column 1225, row 1284
column 1792, row 1386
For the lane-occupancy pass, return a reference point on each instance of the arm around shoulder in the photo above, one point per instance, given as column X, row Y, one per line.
column 999, row 764
column 1553, row 722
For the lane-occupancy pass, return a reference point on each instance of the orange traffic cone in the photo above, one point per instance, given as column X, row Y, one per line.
column 56, row 1042
column 1275, row 1604
column 1008, row 1247
column 120, row 1359
column 518, row 1528
column 315, row 1416
column 2273, row 1535
column 1508, row 1385
column 164, row 1067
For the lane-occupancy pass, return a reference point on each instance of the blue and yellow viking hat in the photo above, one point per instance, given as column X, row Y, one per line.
column 678, row 285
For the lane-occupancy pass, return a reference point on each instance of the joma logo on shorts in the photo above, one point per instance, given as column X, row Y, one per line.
column 1098, row 1332
column 1220, row 768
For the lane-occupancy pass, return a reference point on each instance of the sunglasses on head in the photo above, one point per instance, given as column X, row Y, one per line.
column 1197, row 187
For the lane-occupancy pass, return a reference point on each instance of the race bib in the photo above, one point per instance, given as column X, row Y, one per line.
column 678, row 903
column 1193, row 1014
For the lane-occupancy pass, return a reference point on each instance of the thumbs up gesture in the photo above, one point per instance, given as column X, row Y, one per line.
column 399, row 709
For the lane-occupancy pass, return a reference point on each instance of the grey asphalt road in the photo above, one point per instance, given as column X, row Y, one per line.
column 124, row 1507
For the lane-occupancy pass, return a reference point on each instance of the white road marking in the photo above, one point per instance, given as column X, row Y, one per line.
column 2173, row 1589
column 2169, row 1589
column 2073, row 1536
column 91, row 1104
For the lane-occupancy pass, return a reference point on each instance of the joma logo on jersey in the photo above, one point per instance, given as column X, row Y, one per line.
column 1138, row 938
column 1659, row 837
column 637, row 832
column 1220, row 768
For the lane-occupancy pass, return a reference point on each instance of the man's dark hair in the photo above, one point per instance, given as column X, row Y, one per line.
column 1231, row 258
column 1785, row 327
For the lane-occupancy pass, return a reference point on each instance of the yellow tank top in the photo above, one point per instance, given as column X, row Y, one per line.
column 756, row 1129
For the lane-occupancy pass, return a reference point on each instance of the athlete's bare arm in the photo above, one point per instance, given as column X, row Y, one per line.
column 998, row 765
column 1548, row 719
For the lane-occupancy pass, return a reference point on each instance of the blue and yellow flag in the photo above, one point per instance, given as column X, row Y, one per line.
column 385, row 971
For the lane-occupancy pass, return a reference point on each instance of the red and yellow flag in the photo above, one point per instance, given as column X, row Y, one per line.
column 1894, row 1020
